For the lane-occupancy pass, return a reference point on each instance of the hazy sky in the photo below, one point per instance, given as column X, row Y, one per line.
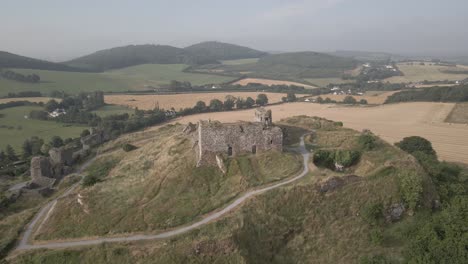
column 62, row 29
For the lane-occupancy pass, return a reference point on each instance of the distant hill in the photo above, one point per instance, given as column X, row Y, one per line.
column 294, row 66
column 223, row 51
column 368, row 55
column 131, row 55
column 10, row 60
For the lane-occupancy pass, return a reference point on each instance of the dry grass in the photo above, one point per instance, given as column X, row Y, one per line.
column 391, row 122
column 429, row 72
column 459, row 114
column 372, row 98
column 179, row 100
column 270, row 82
column 30, row 99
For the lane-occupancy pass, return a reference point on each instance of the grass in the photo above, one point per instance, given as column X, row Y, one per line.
column 459, row 114
column 132, row 78
column 109, row 110
column 15, row 128
column 292, row 224
column 158, row 186
column 239, row 61
column 419, row 73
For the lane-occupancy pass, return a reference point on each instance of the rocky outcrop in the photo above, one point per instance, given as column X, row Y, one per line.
column 395, row 212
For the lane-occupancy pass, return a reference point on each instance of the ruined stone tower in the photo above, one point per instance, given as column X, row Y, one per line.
column 214, row 140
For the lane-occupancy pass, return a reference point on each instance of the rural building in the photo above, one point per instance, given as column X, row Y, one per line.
column 214, row 140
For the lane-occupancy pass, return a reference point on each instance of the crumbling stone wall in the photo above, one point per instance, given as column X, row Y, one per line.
column 42, row 173
column 62, row 155
column 263, row 116
column 214, row 138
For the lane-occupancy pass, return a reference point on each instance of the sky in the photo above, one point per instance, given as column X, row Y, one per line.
column 63, row 29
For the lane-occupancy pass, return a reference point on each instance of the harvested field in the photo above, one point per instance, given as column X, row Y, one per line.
column 270, row 82
column 459, row 114
column 179, row 100
column 30, row 99
column 391, row 122
column 429, row 72
column 372, row 98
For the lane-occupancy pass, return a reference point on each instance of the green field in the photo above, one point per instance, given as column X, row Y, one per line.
column 108, row 110
column 15, row 128
column 132, row 78
column 239, row 61
column 429, row 72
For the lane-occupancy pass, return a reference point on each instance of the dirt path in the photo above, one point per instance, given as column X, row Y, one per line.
column 25, row 245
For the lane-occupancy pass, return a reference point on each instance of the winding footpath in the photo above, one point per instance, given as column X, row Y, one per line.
column 24, row 243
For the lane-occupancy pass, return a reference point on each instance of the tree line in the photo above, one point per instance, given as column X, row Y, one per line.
column 11, row 75
column 432, row 94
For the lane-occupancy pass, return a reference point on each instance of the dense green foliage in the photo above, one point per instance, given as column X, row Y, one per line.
column 99, row 170
column 128, row 147
column 433, row 94
column 223, row 51
column 416, row 144
column 11, row 75
column 367, row 141
column 9, row 60
column 328, row 158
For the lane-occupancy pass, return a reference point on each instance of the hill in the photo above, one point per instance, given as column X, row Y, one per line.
column 293, row 66
column 368, row 55
column 10, row 60
column 132, row 55
column 223, row 51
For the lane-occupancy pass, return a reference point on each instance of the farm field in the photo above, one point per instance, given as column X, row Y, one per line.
column 270, row 82
column 15, row 128
column 240, row 61
column 419, row 73
column 391, row 122
column 108, row 110
column 376, row 98
column 29, row 99
column 131, row 78
column 459, row 114
column 179, row 100
column 323, row 82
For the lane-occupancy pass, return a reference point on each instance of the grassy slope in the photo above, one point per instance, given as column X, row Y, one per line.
column 294, row 224
column 158, row 186
column 14, row 117
column 131, row 78
column 419, row 73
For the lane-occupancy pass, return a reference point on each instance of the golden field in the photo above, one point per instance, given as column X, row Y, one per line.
column 391, row 122
column 429, row 72
column 167, row 101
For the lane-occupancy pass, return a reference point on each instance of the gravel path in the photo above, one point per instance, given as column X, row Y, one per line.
column 25, row 245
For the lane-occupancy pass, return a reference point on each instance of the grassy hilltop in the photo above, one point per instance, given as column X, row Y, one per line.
column 326, row 217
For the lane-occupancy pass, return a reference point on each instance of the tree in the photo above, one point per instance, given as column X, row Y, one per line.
column 367, row 142
column 51, row 105
column 200, row 107
column 262, row 99
column 2, row 156
column 414, row 144
column 363, row 101
column 216, row 105
column 229, row 102
column 249, row 102
column 320, row 100
column 85, row 133
column 240, row 103
column 56, row 141
column 27, row 148
column 349, row 100
column 291, row 97
column 10, row 153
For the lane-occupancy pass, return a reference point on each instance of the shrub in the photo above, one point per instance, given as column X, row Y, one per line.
column 414, row 144
column 410, row 188
column 347, row 158
column 363, row 101
column 373, row 213
column 90, row 180
column 349, row 100
column 367, row 142
column 324, row 158
column 128, row 147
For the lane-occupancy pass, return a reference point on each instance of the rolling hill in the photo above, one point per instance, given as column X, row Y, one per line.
column 10, row 60
column 223, row 51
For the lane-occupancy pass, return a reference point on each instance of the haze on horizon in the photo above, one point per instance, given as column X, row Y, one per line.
column 60, row 30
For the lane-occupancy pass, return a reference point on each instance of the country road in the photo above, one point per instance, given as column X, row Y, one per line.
column 25, row 244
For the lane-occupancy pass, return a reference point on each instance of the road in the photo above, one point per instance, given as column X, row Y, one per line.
column 25, row 245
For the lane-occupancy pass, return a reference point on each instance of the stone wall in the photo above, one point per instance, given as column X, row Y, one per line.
column 61, row 155
column 234, row 139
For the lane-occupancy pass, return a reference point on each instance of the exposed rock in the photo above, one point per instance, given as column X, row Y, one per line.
column 334, row 183
column 395, row 212
column 220, row 163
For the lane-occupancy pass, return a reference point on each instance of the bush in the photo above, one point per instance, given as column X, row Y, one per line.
column 373, row 213
column 410, row 188
column 324, row 158
column 90, row 180
column 349, row 100
column 414, row 144
column 327, row 159
column 347, row 158
column 367, row 142
column 128, row 147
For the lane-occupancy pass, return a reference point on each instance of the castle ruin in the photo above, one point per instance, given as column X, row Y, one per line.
column 214, row 140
